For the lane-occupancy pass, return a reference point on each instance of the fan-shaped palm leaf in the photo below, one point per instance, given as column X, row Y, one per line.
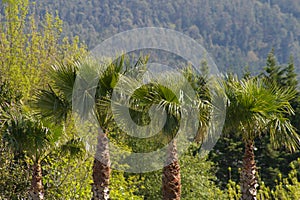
column 56, row 101
column 255, row 107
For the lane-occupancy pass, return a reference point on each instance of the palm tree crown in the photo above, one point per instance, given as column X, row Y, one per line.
column 255, row 107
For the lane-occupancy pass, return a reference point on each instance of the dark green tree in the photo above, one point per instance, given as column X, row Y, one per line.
column 273, row 71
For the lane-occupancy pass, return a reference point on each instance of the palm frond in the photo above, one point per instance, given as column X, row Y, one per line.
column 73, row 147
column 64, row 76
column 26, row 134
column 257, row 107
column 282, row 133
column 55, row 102
column 52, row 105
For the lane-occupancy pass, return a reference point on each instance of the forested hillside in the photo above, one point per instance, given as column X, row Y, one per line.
column 48, row 89
column 236, row 32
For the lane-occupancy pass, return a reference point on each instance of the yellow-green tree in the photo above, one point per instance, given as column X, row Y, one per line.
column 29, row 45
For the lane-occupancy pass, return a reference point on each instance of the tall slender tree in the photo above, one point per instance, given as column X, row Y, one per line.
column 56, row 103
column 172, row 99
column 273, row 71
column 256, row 107
column 26, row 134
column 30, row 136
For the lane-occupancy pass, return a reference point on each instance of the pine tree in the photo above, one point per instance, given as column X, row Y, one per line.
column 273, row 71
column 290, row 79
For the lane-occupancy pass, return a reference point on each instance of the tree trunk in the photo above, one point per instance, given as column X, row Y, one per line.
column 37, row 190
column 171, row 175
column 101, row 169
column 248, row 175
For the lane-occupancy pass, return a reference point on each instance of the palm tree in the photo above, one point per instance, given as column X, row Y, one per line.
column 56, row 103
column 171, row 180
column 152, row 94
column 28, row 135
column 101, row 168
column 24, row 135
column 171, row 94
column 256, row 107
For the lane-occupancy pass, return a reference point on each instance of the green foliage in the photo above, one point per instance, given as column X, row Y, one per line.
column 67, row 177
column 14, row 174
column 25, row 134
column 125, row 187
column 291, row 76
column 32, row 41
column 233, row 190
column 151, row 187
column 286, row 188
column 197, row 176
column 237, row 33
column 197, row 179
column 8, row 95
column 274, row 71
column 55, row 102
column 228, row 150
column 29, row 47
column 256, row 107
column 227, row 153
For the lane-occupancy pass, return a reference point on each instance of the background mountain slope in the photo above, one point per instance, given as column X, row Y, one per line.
column 235, row 32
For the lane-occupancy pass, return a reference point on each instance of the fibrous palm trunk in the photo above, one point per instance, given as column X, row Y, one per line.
column 101, row 169
column 37, row 190
column 171, row 180
column 248, row 175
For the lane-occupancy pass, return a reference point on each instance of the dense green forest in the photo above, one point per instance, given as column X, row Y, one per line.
column 42, row 54
column 237, row 33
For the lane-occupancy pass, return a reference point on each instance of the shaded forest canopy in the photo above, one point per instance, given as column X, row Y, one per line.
column 236, row 33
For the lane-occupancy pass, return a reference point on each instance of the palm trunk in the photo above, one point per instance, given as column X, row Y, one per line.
column 37, row 189
column 171, row 175
column 101, row 169
column 248, row 175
